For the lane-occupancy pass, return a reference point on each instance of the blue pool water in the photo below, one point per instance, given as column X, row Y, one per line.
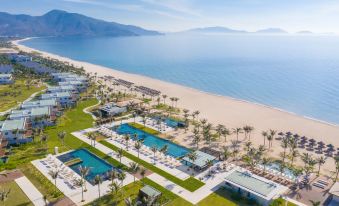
column 171, row 122
column 276, row 167
column 297, row 73
column 151, row 140
column 97, row 166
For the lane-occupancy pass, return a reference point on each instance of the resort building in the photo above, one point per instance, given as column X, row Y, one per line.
column 52, row 103
column 334, row 191
column 200, row 163
column 65, row 99
column 149, row 192
column 19, row 57
column 16, row 131
column 80, row 86
column 254, row 187
column 66, row 77
column 67, row 88
column 37, row 67
column 111, row 109
column 39, row 117
column 6, row 79
column 6, row 69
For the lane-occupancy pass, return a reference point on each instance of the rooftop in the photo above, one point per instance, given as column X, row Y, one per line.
column 255, row 184
column 55, row 95
column 201, row 160
column 38, row 111
column 6, row 68
column 40, row 103
column 70, row 83
column 8, row 125
column 150, row 191
column 5, row 75
column 57, row 88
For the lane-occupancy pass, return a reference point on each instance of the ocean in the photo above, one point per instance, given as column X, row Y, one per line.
column 296, row 73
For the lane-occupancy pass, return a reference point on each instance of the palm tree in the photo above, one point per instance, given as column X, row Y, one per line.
column 143, row 173
column 264, row 134
column 80, row 183
column 61, row 136
column 293, row 155
column 114, row 188
column 270, row 139
column 226, row 153
column 248, row 129
column 272, row 134
column 121, row 177
column 129, row 202
column 120, row 154
column 336, row 160
column 54, row 175
column 320, row 160
column 113, row 174
column 225, row 132
column 4, row 195
column 164, row 96
column 220, row 128
column 315, row 203
column 192, row 156
column 154, row 150
column 237, row 131
column 134, row 168
column 196, row 137
column 284, row 145
column 44, row 138
column 164, row 149
column 98, row 181
column 138, row 146
column 84, row 171
column 209, row 163
column 127, row 137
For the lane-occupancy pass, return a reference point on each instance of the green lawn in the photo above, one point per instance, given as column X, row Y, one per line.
column 132, row 191
column 12, row 95
column 190, row 184
column 16, row 195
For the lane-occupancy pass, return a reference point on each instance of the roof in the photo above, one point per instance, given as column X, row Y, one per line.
column 6, row 68
column 8, row 125
column 71, row 83
column 335, row 189
column 38, row 111
column 5, row 75
column 201, row 160
column 55, row 95
column 254, row 184
column 61, row 88
column 150, row 191
column 40, row 103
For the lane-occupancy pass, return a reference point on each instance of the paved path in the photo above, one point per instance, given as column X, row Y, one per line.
column 211, row 184
column 31, row 191
column 90, row 113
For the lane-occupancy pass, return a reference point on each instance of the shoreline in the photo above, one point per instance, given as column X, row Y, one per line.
column 261, row 116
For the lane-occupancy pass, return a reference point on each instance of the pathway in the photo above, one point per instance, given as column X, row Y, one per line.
column 31, row 191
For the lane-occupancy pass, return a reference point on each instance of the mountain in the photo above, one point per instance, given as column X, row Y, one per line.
column 62, row 23
column 215, row 29
column 272, row 31
column 304, row 32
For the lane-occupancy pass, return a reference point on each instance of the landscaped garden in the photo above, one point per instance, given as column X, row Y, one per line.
column 16, row 196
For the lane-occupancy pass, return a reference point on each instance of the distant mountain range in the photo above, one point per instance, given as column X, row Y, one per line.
column 62, row 23
column 219, row 29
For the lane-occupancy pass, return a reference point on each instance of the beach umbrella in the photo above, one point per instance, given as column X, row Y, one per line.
column 330, row 146
column 281, row 133
column 296, row 136
column 289, row 133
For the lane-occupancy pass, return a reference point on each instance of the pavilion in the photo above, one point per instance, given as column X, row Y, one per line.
column 200, row 162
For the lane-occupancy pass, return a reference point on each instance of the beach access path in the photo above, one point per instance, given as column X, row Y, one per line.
column 31, row 191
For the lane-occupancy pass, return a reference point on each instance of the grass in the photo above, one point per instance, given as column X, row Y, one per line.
column 190, row 184
column 281, row 202
column 11, row 95
column 143, row 128
column 16, row 195
column 132, row 190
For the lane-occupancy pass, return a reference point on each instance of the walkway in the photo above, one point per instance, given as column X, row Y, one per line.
column 211, row 184
column 31, row 191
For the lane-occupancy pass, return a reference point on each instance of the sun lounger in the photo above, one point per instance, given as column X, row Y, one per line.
column 318, row 185
column 323, row 182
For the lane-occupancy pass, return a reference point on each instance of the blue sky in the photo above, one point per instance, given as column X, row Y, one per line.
column 176, row 15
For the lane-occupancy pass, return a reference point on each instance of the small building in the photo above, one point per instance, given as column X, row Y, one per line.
column 37, row 67
column 110, row 110
column 6, row 69
column 39, row 116
column 67, row 88
column 6, row 79
column 334, row 192
column 65, row 99
column 254, row 187
column 201, row 161
column 80, row 86
column 16, row 131
column 19, row 57
column 52, row 103
column 149, row 192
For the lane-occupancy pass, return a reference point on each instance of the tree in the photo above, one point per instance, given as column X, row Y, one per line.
column 270, row 139
column 112, row 175
column 54, row 175
column 133, row 168
column 320, row 161
column 336, row 160
column 272, row 134
column 315, row 203
column 192, row 156
column 264, row 134
column 127, row 137
column 120, row 154
column 164, row 96
column 61, row 136
column 226, row 153
column 143, row 172
column 80, row 183
column 225, row 133
column 121, row 177
column 84, row 171
column 129, row 202
column 284, row 145
column 265, row 161
column 237, row 131
column 4, row 195
column 209, row 163
column 98, row 181
column 220, row 128
column 248, row 129
column 138, row 146
column 115, row 189
column 293, row 155
column 154, row 150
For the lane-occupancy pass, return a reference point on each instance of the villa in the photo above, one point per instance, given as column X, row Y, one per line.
column 79, row 85
column 67, row 88
column 39, row 117
column 52, row 103
column 17, row 130
column 19, row 58
column 254, row 187
column 111, row 109
column 6, row 68
column 37, row 67
column 200, row 163
column 65, row 99
column 6, row 79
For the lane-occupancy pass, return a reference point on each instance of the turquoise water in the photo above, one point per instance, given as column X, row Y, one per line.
column 97, row 166
column 297, row 73
column 153, row 141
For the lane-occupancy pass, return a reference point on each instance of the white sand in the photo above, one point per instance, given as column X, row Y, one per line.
column 222, row 110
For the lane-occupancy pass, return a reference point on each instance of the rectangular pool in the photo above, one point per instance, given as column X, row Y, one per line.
column 97, row 166
column 150, row 140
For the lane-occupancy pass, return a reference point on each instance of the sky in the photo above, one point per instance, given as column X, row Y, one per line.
column 321, row 16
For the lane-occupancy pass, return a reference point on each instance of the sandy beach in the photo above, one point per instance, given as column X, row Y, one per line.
column 222, row 110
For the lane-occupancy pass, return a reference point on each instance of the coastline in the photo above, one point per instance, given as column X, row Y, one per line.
column 220, row 109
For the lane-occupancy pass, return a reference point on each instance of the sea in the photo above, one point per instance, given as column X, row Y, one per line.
column 295, row 73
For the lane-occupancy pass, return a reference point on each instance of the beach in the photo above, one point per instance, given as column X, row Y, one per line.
column 222, row 110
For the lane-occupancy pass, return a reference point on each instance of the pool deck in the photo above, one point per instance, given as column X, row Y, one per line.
column 75, row 193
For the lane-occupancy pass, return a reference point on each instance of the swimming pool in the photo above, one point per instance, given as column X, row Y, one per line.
column 171, row 122
column 151, row 140
column 97, row 166
column 276, row 166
